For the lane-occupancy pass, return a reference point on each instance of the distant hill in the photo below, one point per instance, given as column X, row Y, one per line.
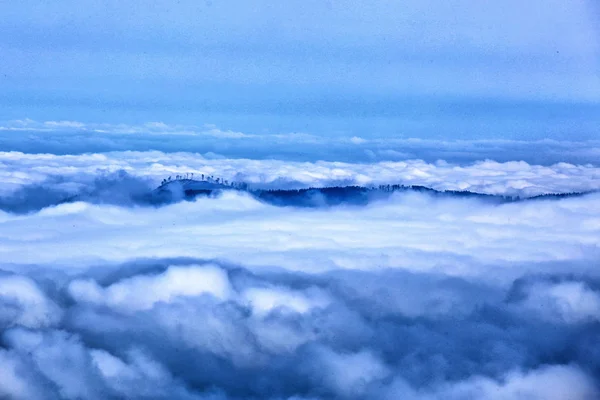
column 188, row 189
column 129, row 191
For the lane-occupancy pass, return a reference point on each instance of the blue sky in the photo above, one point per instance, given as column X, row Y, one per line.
column 429, row 69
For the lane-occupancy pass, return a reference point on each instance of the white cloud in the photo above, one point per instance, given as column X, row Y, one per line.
column 348, row 375
column 13, row 382
column 22, row 303
column 410, row 231
column 412, row 296
column 60, row 358
column 357, row 140
column 553, row 382
column 63, row 124
column 74, row 137
column 138, row 376
column 571, row 302
column 509, row 178
column 548, row 383
column 140, row 293
column 265, row 300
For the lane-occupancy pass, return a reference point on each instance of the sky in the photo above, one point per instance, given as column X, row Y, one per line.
column 458, row 70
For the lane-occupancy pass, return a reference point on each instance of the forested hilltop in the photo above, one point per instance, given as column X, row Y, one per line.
column 184, row 187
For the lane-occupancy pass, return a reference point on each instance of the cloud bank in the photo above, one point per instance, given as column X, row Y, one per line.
column 365, row 142
column 227, row 297
column 193, row 329
column 34, row 181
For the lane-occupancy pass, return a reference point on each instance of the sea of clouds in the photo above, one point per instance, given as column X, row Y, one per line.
column 136, row 172
column 225, row 297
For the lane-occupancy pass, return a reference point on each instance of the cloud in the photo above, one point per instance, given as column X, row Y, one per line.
column 23, row 303
column 351, row 146
column 264, row 300
column 63, row 124
column 227, row 297
column 548, row 382
column 34, row 181
column 14, row 383
column 410, row 230
column 369, row 339
column 348, row 375
column 357, row 140
column 566, row 300
column 143, row 292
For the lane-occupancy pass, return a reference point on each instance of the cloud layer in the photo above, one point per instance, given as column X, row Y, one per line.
column 412, row 296
column 192, row 329
column 32, row 181
column 361, row 142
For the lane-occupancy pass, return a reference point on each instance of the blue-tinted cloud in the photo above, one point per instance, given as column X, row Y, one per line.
column 75, row 137
column 368, row 335
column 230, row 298
column 34, row 181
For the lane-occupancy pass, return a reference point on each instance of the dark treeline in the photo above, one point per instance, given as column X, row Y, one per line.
column 190, row 178
column 125, row 190
column 349, row 195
